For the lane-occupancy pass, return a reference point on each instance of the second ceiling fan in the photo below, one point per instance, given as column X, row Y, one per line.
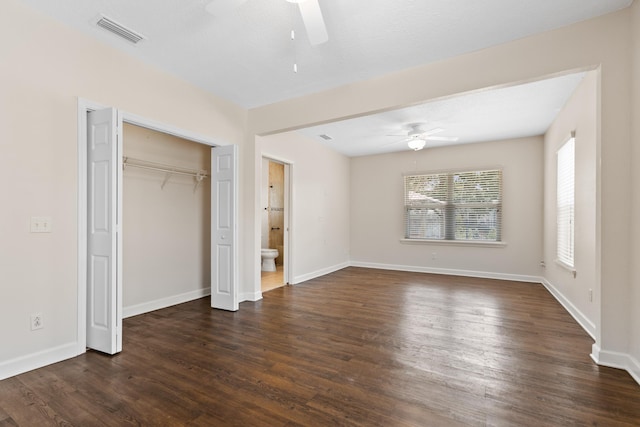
column 417, row 136
column 309, row 10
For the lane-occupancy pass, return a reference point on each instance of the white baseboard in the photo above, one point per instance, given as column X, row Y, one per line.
column 134, row 310
column 449, row 272
column 633, row 367
column 250, row 296
column 582, row 320
column 319, row 273
column 614, row 359
column 37, row 360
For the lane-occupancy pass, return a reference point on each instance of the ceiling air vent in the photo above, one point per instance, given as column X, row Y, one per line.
column 119, row 30
column 325, row 137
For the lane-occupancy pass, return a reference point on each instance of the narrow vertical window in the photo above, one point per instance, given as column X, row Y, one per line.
column 565, row 205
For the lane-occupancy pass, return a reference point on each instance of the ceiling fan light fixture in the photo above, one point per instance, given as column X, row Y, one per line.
column 416, row 144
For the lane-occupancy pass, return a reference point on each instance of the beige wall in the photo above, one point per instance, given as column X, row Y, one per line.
column 319, row 203
column 45, row 67
column 579, row 115
column 166, row 230
column 377, row 210
column 603, row 43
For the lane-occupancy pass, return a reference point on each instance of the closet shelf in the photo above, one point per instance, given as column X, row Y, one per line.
column 169, row 170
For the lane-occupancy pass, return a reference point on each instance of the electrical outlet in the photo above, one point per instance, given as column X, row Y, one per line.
column 433, row 255
column 590, row 295
column 36, row 321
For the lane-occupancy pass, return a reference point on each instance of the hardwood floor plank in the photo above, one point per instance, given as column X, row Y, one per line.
column 16, row 397
column 70, row 404
column 357, row 347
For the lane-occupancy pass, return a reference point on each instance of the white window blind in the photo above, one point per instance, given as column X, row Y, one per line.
column 454, row 206
column 566, row 202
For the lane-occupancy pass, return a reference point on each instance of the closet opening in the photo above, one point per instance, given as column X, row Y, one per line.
column 157, row 212
column 166, row 220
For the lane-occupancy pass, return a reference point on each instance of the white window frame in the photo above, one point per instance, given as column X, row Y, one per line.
column 447, row 209
column 565, row 203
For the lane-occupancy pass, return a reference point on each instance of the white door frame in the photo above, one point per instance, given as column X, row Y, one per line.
column 85, row 106
column 287, row 268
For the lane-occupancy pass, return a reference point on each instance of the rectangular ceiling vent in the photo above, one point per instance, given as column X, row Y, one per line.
column 325, row 137
column 119, row 30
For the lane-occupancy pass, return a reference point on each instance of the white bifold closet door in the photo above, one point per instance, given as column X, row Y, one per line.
column 104, row 272
column 104, row 234
column 224, row 292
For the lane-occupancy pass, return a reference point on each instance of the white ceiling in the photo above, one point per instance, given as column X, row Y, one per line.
column 491, row 115
column 247, row 55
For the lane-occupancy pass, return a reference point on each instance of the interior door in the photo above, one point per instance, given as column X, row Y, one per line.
column 104, row 286
column 224, row 292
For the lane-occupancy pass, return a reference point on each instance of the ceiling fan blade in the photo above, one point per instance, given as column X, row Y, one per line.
column 221, row 7
column 313, row 22
column 400, row 141
column 442, row 138
column 431, row 132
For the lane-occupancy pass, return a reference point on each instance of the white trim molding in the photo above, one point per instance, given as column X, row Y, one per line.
column 449, row 272
column 146, row 307
column 319, row 273
column 37, row 360
column 614, row 359
column 582, row 320
column 480, row 243
column 249, row 296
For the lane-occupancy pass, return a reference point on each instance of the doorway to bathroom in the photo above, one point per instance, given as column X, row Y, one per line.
column 274, row 236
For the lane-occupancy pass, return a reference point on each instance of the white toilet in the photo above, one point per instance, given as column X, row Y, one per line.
column 269, row 259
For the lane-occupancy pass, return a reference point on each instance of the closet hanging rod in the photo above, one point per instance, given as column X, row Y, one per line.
column 143, row 164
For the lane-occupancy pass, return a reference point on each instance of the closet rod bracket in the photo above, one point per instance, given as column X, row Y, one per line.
column 199, row 177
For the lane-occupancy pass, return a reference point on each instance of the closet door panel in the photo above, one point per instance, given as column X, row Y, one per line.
column 104, row 302
column 224, row 292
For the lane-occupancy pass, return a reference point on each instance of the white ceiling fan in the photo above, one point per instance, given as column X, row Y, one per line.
column 417, row 136
column 309, row 9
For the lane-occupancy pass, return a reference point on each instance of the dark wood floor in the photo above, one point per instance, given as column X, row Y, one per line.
column 356, row 347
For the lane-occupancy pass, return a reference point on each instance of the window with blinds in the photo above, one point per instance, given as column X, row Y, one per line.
column 565, row 204
column 454, row 206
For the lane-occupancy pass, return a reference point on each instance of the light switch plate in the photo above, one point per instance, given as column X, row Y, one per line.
column 41, row 224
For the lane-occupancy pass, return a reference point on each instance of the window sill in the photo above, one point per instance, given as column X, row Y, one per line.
column 454, row 243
